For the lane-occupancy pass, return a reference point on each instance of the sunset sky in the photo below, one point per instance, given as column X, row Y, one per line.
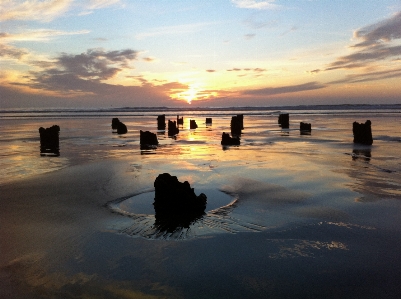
column 117, row 53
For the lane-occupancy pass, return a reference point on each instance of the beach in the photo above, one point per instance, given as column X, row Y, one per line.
column 289, row 215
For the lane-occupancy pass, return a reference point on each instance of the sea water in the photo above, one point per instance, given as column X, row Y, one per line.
column 290, row 215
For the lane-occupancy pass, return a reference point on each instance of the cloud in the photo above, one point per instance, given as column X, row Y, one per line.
column 376, row 45
column 249, row 36
column 36, row 10
column 371, row 76
column 37, row 35
column 90, row 5
column 268, row 91
column 255, row 4
column 210, row 71
column 361, row 58
column 384, row 31
column 253, row 72
column 46, row 10
column 82, row 77
column 11, row 52
column 148, row 59
column 70, row 73
column 313, row 72
column 247, row 70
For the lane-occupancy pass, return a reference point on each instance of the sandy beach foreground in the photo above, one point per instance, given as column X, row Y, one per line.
column 288, row 216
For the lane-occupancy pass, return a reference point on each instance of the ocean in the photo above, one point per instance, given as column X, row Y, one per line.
column 289, row 214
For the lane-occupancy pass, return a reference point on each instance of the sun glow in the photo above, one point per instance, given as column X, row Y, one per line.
column 193, row 93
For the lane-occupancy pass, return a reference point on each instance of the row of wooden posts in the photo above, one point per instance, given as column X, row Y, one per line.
column 49, row 137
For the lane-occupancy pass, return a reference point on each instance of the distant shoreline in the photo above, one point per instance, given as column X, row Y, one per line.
column 7, row 113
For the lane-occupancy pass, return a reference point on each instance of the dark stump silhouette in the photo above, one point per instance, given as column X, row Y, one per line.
column 284, row 120
column 114, row 123
column 305, row 127
column 118, row 126
column 227, row 140
column 209, row 120
column 148, row 139
column 240, row 118
column 180, row 121
column 176, row 204
column 236, row 125
column 362, row 133
column 192, row 124
column 161, row 122
column 49, row 141
column 172, row 128
column 121, row 128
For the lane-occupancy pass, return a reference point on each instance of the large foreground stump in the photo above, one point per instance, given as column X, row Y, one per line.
column 176, row 204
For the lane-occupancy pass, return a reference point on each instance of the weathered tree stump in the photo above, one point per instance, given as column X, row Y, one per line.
column 148, row 139
column 227, row 140
column 284, row 120
column 49, row 140
column 192, row 124
column 172, row 128
column 362, row 133
column 161, row 122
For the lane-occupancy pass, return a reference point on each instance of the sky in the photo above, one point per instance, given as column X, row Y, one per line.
column 119, row 53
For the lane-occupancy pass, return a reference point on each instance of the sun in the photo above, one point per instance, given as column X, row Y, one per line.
column 190, row 95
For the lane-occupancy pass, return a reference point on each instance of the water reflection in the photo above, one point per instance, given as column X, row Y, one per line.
column 150, row 223
column 305, row 133
column 362, row 154
column 171, row 222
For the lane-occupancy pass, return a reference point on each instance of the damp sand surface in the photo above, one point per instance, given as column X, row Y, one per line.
column 288, row 215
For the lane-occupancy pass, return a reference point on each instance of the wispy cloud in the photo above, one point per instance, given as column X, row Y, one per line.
column 90, row 5
column 37, row 35
column 378, row 33
column 250, row 72
column 268, row 91
column 43, row 11
column 47, row 10
column 255, row 4
column 249, row 36
column 376, row 45
column 370, row 76
column 11, row 52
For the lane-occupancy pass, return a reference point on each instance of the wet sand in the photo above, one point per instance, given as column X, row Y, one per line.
column 290, row 215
